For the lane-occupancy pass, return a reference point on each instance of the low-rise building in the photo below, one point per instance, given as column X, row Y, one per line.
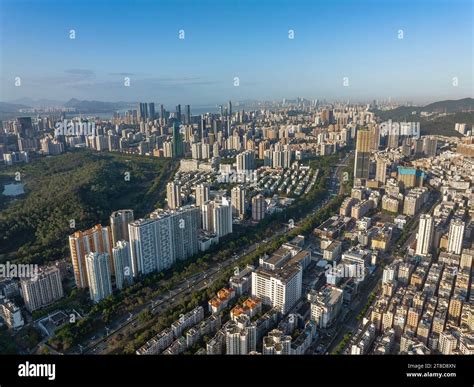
column 220, row 302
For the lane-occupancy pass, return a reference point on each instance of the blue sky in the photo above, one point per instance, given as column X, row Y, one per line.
column 247, row 39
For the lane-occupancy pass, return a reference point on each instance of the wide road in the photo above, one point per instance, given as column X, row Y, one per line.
column 99, row 343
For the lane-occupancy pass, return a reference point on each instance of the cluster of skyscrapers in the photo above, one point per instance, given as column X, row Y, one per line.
column 213, row 216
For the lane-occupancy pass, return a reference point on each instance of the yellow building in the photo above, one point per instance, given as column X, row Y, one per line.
column 98, row 239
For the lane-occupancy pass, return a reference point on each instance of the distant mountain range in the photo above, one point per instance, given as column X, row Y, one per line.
column 451, row 106
column 96, row 106
column 461, row 110
column 37, row 103
column 409, row 112
column 81, row 106
column 86, row 106
column 6, row 107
